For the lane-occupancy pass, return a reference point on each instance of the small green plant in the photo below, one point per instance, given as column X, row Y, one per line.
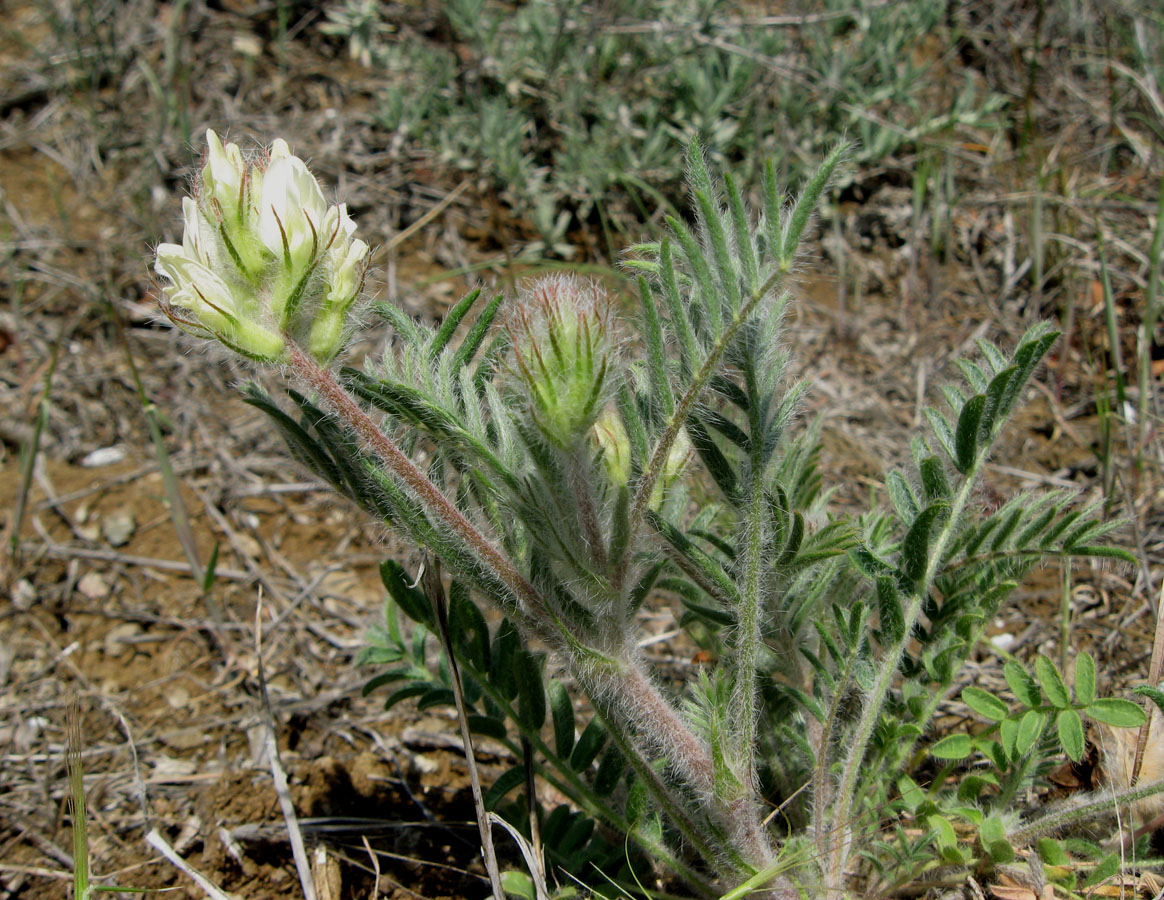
column 1015, row 748
column 83, row 887
column 568, row 466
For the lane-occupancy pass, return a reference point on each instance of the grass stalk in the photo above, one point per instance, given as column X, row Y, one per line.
column 29, row 453
column 1147, row 405
column 179, row 515
column 431, row 581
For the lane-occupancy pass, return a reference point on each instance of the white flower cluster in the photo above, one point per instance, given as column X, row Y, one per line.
column 263, row 257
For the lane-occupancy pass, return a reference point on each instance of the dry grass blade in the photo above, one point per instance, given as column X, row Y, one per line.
column 430, row 578
column 159, row 843
column 278, row 775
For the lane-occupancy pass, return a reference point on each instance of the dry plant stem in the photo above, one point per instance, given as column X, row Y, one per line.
column 1146, row 384
column 278, row 774
column 1155, row 670
column 436, row 594
column 159, row 843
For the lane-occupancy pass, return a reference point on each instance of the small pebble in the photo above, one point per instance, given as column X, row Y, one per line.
column 117, row 639
column 94, row 586
column 23, row 595
column 183, row 740
column 103, row 456
column 118, row 527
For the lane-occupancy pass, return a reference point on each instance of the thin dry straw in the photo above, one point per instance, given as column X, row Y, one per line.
column 430, row 578
column 278, row 775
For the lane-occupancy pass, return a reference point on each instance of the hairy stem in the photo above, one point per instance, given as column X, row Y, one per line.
column 1022, row 836
column 324, row 383
column 669, row 803
column 887, row 671
column 748, row 637
column 675, row 422
column 629, row 693
column 640, row 717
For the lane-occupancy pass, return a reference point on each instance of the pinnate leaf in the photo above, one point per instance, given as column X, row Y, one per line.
column 1022, row 685
column 992, row 833
column 915, row 548
column 966, row 433
column 562, row 709
column 955, row 746
column 1154, row 694
column 509, row 779
column 1031, row 727
column 1085, row 678
column 591, row 741
column 889, row 604
column 531, row 693
column 1108, row 866
column 1008, row 732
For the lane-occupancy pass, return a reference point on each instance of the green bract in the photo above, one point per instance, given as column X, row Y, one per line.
column 263, row 257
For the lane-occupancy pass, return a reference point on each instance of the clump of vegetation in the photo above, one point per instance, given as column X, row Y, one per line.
column 579, row 120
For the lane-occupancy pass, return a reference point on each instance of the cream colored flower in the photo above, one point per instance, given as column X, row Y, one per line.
column 292, row 210
column 263, row 257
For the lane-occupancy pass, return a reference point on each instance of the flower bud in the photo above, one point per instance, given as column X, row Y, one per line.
column 611, row 438
column 562, row 345
column 263, row 257
column 673, row 468
column 610, row 435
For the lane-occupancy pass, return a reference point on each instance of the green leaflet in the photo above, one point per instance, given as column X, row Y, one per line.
column 562, row 712
column 915, row 547
column 1070, row 727
column 967, row 434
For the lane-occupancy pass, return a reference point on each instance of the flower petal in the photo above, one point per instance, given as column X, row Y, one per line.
column 222, row 176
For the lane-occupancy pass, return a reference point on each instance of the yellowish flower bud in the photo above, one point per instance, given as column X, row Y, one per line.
column 612, row 441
